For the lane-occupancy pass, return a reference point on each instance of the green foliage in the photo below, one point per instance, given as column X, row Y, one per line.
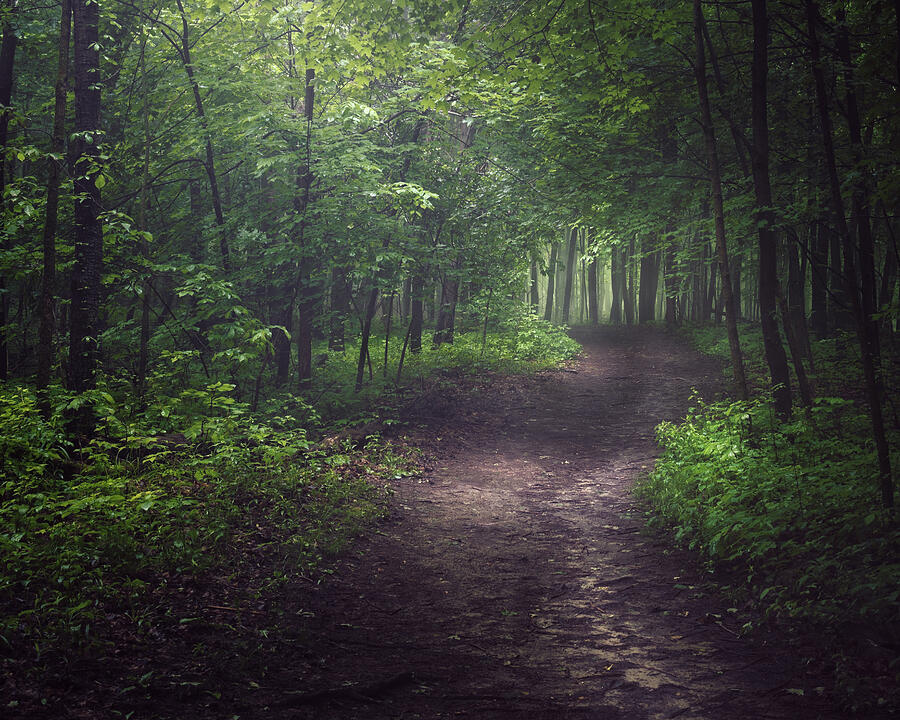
column 790, row 508
column 95, row 527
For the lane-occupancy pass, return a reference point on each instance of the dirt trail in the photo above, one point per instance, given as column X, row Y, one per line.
column 514, row 580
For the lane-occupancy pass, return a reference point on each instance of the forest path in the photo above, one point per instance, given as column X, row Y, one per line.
column 514, row 579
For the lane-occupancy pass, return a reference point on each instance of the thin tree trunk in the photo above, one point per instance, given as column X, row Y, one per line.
column 818, row 318
column 143, row 206
column 416, row 311
column 715, row 178
column 649, row 285
column 48, row 276
column 570, row 275
column 671, row 285
column 593, row 304
column 628, row 276
column 867, row 330
column 551, row 282
column 796, row 296
column 210, row 155
column 768, row 273
column 7, row 62
column 617, row 283
column 534, row 299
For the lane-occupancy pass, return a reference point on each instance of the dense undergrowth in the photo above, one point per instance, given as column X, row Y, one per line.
column 790, row 511
column 202, row 477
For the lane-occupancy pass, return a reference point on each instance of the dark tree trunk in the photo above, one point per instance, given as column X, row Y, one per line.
column 818, row 317
column 628, row 270
column 365, row 334
column 551, row 282
column 649, row 285
column 866, row 326
column 210, row 155
column 7, row 62
column 593, row 304
column 796, row 299
column 534, row 295
column 570, row 275
column 305, row 290
column 416, row 309
column 867, row 322
column 446, row 321
column 715, row 178
column 281, row 342
column 671, row 285
column 57, row 147
column 86, row 272
column 617, row 283
column 768, row 252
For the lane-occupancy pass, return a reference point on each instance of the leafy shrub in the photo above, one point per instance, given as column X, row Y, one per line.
column 80, row 529
column 791, row 507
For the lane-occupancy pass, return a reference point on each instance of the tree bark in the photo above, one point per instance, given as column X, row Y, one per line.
column 593, row 304
column 715, row 179
column 768, row 253
column 48, row 276
column 649, row 285
column 86, row 272
column 628, row 285
column 570, row 275
column 416, row 312
column 551, row 282
column 864, row 323
column 210, row 164
column 617, row 282
column 7, row 63
column 671, row 285
column 818, row 317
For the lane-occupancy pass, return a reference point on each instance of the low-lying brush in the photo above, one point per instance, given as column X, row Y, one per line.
column 791, row 510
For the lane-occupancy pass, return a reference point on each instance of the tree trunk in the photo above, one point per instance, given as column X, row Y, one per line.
column 796, row 297
column 551, row 282
column 671, row 285
column 715, row 178
column 628, row 271
column 48, row 276
column 593, row 305
column 86, row 286
column 416, row 310
column 768, row 252
column 818, row 317
column 7, row 62
column 866, row 326
column 210, row 155
column 282, row 342
column 446, row 321
column 649, row 285
column 570, row 275
column 534, row 295
column 616, row 283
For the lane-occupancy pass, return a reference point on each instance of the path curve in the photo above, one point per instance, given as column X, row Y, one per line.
column 515, row 580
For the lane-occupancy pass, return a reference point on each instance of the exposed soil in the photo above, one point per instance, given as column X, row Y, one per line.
column 512, row 580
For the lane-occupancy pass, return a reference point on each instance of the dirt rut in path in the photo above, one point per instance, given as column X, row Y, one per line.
column 514, row 579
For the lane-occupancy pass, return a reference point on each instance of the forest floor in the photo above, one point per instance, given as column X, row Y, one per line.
column 512, row 579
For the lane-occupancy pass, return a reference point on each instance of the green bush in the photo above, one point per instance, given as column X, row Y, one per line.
column 792, row 508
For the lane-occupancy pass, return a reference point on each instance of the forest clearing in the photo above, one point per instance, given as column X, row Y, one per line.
column 419, row 358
